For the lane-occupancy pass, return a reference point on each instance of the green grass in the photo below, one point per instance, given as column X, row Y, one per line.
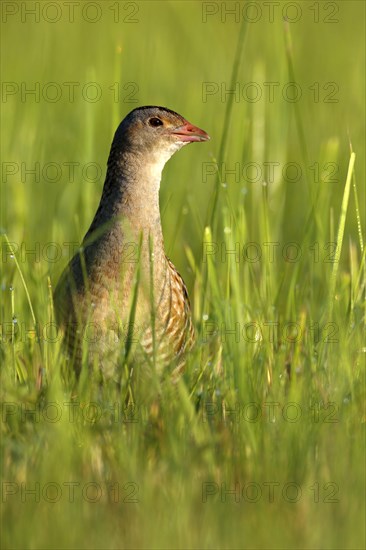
column 271, row 403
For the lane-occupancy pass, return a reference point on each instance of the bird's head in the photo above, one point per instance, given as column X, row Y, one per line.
column 157, row 132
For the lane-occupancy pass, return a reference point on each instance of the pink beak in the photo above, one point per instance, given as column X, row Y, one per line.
column 187, row 132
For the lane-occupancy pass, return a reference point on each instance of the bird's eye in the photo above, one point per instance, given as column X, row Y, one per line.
column 155, row 122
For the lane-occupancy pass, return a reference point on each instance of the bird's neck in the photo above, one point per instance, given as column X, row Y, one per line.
column 130, row 199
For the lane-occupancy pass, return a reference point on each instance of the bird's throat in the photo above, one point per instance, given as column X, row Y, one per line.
column 139, row 204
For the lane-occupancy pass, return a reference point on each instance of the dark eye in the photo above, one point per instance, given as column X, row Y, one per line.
column 155, row 122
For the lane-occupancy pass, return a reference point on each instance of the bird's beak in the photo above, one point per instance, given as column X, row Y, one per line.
column 187, row 132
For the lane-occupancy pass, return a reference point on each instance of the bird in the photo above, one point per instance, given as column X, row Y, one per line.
column 120, row 295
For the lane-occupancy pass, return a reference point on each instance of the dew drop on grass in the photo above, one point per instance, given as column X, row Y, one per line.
column 227, row 230
column 224, row 185
column 205, row 317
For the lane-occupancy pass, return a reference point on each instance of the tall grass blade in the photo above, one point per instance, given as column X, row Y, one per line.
column 227, row 118
column 340, row 235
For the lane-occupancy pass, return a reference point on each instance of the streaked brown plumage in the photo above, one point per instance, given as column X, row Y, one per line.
column 122, row 267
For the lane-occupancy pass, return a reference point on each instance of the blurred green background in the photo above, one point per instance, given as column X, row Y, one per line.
column 167, row 57
column 186, row 56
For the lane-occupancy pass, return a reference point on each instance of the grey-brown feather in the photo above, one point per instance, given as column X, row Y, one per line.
column 97, row 288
